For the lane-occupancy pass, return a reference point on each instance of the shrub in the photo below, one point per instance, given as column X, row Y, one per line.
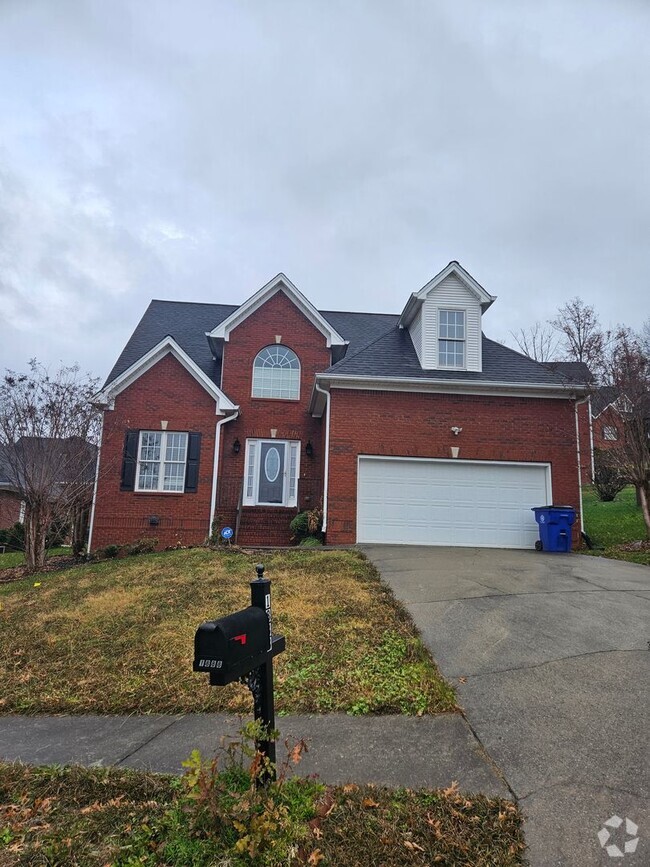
column 608, row 478
column 13, row 538
column 111, row 551
column 142, row 546
column 310, row 542
column 306, row 524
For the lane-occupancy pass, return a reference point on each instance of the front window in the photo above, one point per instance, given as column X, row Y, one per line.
column 451, row 338
column 162, row 456
column 276, row 373
column 610, row 432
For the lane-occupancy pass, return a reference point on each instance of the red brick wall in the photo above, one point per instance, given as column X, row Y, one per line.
column 9, row 509
column 418, row 425
column 290, row 418
column 166, row 391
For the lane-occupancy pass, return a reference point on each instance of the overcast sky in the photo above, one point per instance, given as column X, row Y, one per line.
column 191, row 150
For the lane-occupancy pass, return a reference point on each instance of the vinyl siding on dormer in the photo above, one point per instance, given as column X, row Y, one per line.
column 450, row 294
column 416, row 334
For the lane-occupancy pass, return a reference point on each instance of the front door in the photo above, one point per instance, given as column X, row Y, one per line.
column 272, row 469
column 271, row 481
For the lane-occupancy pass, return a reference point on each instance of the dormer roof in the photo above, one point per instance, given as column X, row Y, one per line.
column 417, row 298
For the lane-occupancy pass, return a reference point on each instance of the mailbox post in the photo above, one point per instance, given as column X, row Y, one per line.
column 241, row 647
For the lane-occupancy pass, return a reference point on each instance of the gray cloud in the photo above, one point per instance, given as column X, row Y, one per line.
column 192, row 150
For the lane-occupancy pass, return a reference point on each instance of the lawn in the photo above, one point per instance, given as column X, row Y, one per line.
column 615, row 524
column 76, row 816
column 17, row 558
column 117, row 637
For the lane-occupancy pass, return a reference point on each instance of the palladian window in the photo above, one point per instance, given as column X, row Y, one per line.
column 276, row 373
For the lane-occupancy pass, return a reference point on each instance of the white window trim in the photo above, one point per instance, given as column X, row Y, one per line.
column 609, row 429
column 287, row 501
column 161, row 463
column 453, row 340
column 273, row 397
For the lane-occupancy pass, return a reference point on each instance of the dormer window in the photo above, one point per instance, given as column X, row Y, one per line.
column 276, row 373
column 451, row 338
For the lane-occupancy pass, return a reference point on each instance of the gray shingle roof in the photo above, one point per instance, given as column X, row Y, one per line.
column 393, row 356
column 187, row 322
column 574, row 371
column 377, row 347
column 603, row 397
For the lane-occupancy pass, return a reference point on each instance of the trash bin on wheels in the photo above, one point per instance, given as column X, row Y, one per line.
column 554, row 528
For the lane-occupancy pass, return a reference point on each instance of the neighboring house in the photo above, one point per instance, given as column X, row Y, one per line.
column 12, row 507
column 50, row 462
column 608, row 407
column 578, row 372
column 411, row 428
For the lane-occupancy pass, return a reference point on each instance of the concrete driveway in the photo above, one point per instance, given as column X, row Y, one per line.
column 549, row 655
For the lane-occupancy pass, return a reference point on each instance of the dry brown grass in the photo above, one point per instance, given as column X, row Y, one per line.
column 117, row 637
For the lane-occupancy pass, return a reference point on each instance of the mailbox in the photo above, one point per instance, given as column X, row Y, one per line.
column 230, row 647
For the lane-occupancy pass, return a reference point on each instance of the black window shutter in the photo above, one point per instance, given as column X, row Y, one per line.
column 192, row 468
column 130, row 460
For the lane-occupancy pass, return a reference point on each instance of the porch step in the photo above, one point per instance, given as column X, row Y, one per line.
column 264, row 525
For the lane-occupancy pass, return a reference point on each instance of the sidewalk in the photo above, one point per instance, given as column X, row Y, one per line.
column 416, row 752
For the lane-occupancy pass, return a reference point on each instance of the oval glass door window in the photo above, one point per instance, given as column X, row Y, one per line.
column 272, row 464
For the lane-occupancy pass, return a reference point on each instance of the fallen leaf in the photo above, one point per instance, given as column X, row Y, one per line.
column 413, row 847
column 316, row 857
column 462, row 680
column 369, row 803
column 350, row 787
column 452, row 789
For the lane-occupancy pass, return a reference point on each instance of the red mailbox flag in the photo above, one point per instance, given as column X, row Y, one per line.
column 240, row 638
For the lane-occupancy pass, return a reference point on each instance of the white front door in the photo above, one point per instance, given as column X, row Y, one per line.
column 272, row 468
column 487, row 504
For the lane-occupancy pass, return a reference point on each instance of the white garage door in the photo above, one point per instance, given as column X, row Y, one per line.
column 450, row 502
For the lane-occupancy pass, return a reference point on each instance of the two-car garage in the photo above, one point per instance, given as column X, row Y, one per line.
column 422, row 501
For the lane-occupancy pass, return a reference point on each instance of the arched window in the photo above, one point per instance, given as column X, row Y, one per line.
column 276, row 373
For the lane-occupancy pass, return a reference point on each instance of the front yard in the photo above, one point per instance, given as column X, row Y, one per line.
column 616, row 527
column 97, row 817
column 117, row 637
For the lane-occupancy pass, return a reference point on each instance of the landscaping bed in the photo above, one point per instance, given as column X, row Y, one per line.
column 76, row 816
column 616, row 528
column 117, row 637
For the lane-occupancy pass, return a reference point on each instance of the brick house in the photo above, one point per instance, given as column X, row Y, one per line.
column 608, row 409
column 412, row 428
column 12, row 507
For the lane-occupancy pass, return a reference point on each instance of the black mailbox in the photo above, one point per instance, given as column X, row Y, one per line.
column 232, row 646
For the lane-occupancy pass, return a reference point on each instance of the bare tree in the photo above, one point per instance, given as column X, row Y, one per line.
column 630, row 372
column 49, row 432
column 645, row 337
column 582, row 338
column 539, row 342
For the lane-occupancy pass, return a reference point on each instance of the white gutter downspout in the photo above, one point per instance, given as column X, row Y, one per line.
column 92, row 510
column 327, row 451
column 577, row 404
column 591, row 442
column 215, row 470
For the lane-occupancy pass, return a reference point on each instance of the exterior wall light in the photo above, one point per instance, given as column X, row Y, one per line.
column 154, row 520
column 456, row 430
column 309, row 449
column 236, row 447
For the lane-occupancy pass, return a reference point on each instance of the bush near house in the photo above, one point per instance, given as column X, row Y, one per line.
column 117, row 636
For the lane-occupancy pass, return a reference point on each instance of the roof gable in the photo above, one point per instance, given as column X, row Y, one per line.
column 167, row 346
column 417, row 298
column 279, row 283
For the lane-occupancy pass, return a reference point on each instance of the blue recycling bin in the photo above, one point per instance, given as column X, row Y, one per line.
column 554, row 528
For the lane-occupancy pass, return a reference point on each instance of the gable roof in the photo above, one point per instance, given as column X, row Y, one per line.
column 417, row 298
column 280, row 283
column 604, row 397
column 167, row 346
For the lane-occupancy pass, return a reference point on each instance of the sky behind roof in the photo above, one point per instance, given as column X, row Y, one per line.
column 190, row 151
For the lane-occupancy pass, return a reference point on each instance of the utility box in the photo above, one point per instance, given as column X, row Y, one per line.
column 555, row 524
column 230, row 647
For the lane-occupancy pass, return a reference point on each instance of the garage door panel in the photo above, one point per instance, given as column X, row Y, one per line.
column 456, row 503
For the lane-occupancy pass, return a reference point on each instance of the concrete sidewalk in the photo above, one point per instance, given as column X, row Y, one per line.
column 416, row 752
